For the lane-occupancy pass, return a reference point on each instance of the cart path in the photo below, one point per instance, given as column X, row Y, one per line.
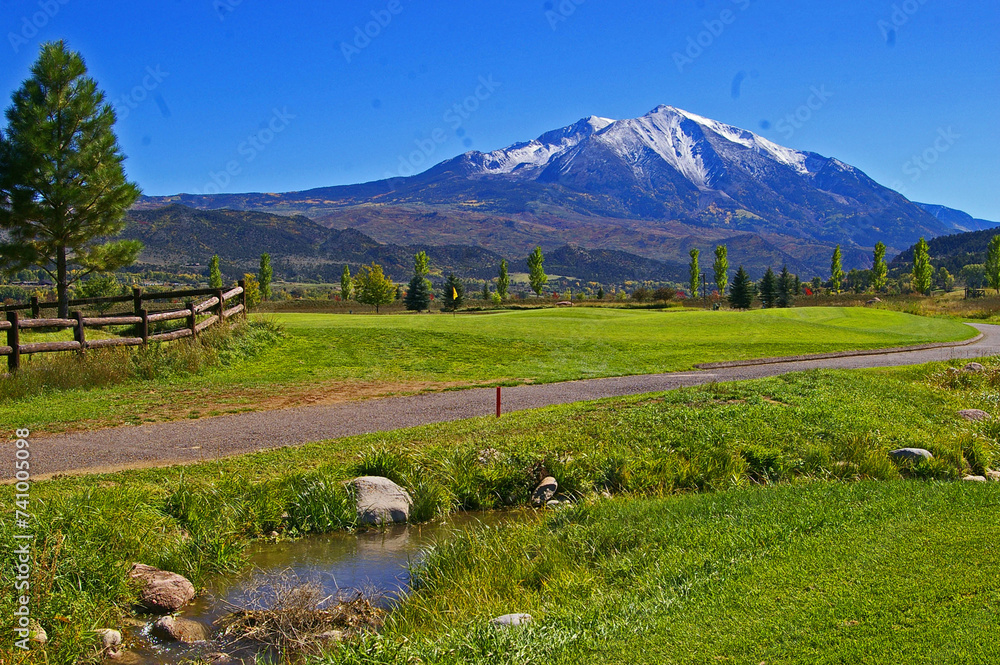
column 180, row 442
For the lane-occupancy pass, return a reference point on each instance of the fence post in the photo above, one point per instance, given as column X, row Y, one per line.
column 78, row 332
column 136, row 305
column 222, row 306
column 243, row 296
column 144, row 326
column 192, row 319
column 35, row 310
column 14, row 342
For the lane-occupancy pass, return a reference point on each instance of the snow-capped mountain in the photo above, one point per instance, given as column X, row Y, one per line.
column 656, row 185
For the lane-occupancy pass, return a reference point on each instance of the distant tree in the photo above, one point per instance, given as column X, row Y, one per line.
column 503, row 281
column 346, row 285
column 973, row 275
column 100, row 286
column 721, row 268
column 880, row 271
column 798, row 286
column 600, row 293
column 858, row 280
column 768, row 290
column 63, row 191
column 496, row 299
column 252, row 289
column 836, row 271
column 421, row 264
column 454, row 293
column 945, row 280
column 665, row 293
column 786, row 288
column 536, row 271
column 741, row 291
column 923, row 271
column 418, row 296
column 374, row 287
column 485, row 295
column 694, row 275
column 214, row 273
column 264, row 275
column 641, row 294
column 992, row 265
column 817, row 284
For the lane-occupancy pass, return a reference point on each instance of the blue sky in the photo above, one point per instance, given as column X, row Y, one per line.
column 906, row 90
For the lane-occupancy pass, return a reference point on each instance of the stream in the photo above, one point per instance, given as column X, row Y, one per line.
column 372, row 562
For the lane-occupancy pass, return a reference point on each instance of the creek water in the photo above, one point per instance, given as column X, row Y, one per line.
column 374, row 562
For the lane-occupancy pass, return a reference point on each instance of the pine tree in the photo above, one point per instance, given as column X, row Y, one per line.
column 485, row 295
column 923, row 271
column 264, row 276
column 695, row 273
column 454, row 293
column 992, row 265
column 786, row 288
column 503, row 281
column 600, row 293
column 346, row 285
column 741, row 291
column 214, row 273
column 836, row 271
column 63, row 191
column 880, row 271
column 536, row 271
column 768, row 292
column 721, row 268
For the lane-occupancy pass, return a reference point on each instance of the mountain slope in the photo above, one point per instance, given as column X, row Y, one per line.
column 958, row 220
column 645, row 185
column 951, row 251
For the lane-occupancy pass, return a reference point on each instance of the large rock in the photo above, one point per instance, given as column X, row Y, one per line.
column 175, row 629
column 110, row 639
column 518, row 619
column 910, row 454
column 975, row 479
column 993, row 476
column 381, row 501
column 159, row 590
column 975, row 415
column 37, row 634
column 545, row 491
column 975, row 368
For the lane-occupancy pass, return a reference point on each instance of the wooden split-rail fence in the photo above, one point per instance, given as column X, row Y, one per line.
column 211, row 310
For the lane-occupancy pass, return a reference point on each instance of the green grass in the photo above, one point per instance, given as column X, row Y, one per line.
column 897, row 572
column 816, row 426
column 343, row 356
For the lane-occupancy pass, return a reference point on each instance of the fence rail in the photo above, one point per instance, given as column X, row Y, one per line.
column 214, row 307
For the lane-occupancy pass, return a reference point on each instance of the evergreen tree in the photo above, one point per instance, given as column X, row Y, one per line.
column 536, row 271
column 923, row 271
column 992, row 265
column 374, row 287
column 741, row 291
column 418, row 296
column 786, row 288
column 721, row 268
column 485, row 295
column 503, row 281
column 817, row 284
column 694, row 273
column 214, row 273
column 346, row 284
column 63, row 191
column 454, row 293
column 836, row 271
column 768, row 291
column 600, row 293
column 880, row 271
column 264, row 276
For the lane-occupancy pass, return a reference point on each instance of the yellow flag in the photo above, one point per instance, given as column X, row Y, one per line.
column 454, row 293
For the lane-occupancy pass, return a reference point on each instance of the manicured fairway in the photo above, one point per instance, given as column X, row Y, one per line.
column 329, row 357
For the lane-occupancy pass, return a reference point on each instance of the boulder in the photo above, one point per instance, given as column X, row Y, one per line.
column 518, row 619
column 175, row 629
column 110, row 640
column 910, row 454
column 975, row 415
column 974, row 368
column 975, row 479
column 993, row 476
column 874, row 301
column 544, row 492
column 381, row 501
column 159, row 590
column 564, row 303
column 37, row 634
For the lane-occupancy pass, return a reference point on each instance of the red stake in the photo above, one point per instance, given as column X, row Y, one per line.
column 498, row 401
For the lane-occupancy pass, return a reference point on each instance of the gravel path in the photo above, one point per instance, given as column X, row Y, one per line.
column 161, row 444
